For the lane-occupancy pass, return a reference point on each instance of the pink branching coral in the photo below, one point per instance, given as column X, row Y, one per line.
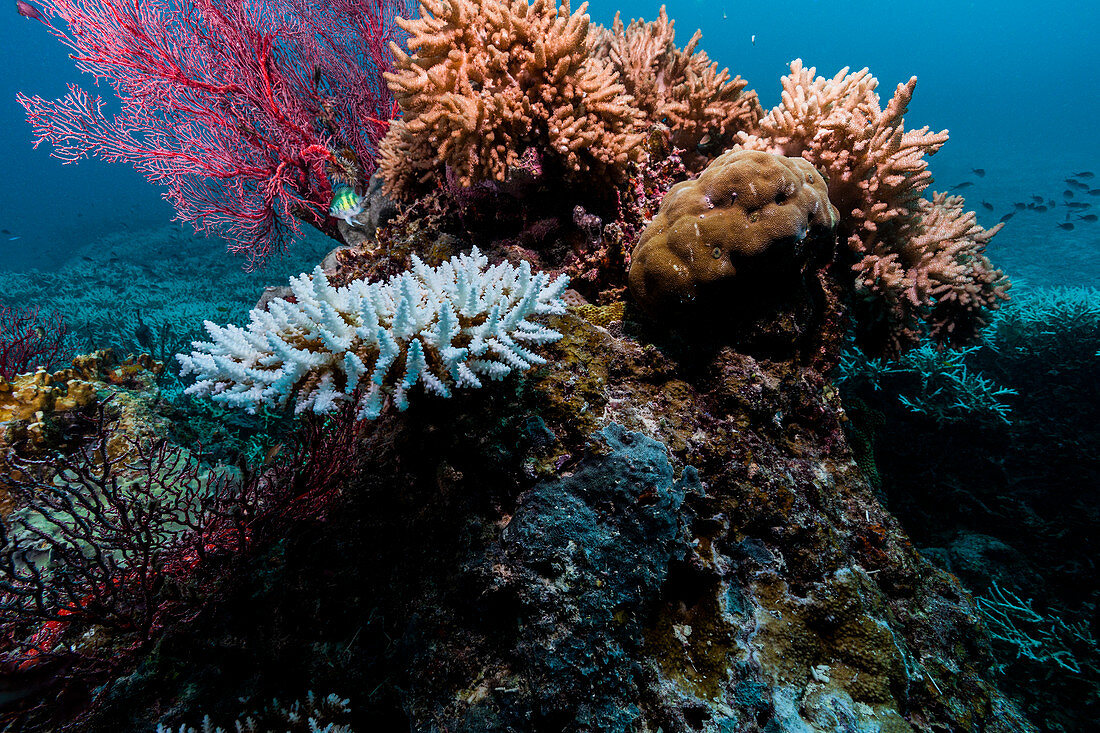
column 919, row 264
column 678, row 87
column 485, row 81
column 240, row 108
column 29, row 340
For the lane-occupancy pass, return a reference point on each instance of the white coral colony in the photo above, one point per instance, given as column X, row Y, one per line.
column 443, row 327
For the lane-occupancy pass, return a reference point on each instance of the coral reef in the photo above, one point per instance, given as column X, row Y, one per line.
column 313, row 715
column 998, row 502
column 486, row 81
column 929, row 381
column 679, row 87
column 41, row 411
column 918, row 264
column 729, row 245
column 673, row 523
column 151, row 273
column 442, row 326
column 620, row 541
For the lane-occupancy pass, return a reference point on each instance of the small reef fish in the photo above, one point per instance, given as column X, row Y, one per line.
column 1094, row 192
column 753, row 39
column 346, row 204
column 27, row 10
column 1066, row 225
column 979, row 172
column 1084, row 174
column 1019, row 205
column 987, row 206
column 12, row 239
column 1089, row 217
column 1067, row 194
column 142, row 333
column 964, row 184
column 1078, row 205
column 1037, row 199
column 1008, row 216
column 1076, row 184
column 1041, row 207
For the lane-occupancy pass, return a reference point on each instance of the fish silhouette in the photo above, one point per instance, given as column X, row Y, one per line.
column 979, row 172
column 1066, row 225
column 143, row 333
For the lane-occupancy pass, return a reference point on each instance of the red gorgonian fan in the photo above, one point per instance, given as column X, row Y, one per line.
column 29, row 339
column 243, row 109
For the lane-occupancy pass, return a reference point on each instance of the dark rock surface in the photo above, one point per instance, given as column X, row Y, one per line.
column 629, row 539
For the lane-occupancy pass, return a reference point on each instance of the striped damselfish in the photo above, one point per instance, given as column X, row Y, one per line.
column 346, row 203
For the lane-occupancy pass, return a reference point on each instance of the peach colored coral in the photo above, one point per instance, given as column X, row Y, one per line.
column 485, row 80
column 920, row 262
column 681, row 88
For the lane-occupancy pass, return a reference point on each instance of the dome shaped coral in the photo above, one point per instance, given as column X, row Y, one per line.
column 734, row 237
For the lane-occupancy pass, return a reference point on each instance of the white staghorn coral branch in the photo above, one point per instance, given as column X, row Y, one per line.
column 444, row 327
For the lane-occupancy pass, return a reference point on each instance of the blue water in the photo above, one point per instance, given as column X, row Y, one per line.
column 1014, row 82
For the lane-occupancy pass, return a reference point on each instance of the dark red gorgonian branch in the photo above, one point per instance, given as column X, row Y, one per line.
column 29, row 340
column 240, row 108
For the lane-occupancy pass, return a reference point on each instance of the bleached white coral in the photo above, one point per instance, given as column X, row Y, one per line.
column 444, row 327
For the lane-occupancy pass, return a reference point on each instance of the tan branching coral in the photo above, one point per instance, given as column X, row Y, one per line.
column 915, row 261
column 485, row 80
column 678, row 87
column 741, row 232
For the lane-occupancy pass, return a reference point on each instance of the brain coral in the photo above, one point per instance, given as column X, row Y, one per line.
column 734, row 236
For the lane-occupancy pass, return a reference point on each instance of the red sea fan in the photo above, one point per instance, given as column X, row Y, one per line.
column 29, row 340
column 241, row 108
